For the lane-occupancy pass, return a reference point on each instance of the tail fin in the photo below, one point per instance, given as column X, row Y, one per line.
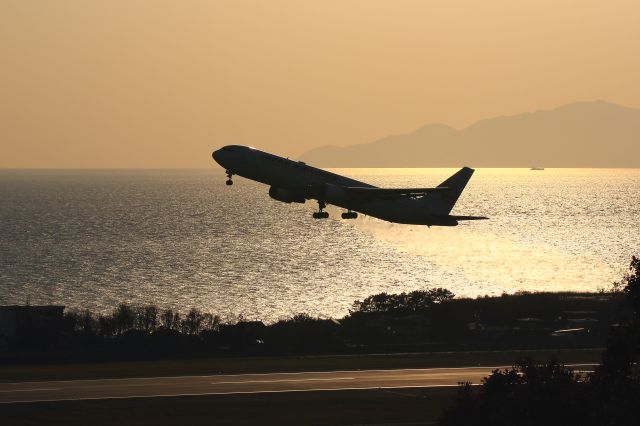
column 441, row 203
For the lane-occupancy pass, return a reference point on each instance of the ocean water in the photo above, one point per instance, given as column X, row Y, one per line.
column 182, row 238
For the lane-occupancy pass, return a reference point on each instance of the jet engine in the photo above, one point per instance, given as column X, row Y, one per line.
column 286, row 195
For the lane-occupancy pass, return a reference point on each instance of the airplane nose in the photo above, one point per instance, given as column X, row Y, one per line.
column 216, row 156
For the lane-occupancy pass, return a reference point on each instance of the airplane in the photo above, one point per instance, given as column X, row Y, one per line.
column 296, row 182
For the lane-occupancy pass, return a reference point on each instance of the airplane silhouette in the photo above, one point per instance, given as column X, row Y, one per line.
column 295, row 182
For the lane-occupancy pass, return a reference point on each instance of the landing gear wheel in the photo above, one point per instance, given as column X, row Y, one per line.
column 320, row 214
column 349, row 215
column 229, row 182
column 229, row 175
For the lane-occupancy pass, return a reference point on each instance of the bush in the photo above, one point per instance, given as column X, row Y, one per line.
column 532, row 393
column 527, row 394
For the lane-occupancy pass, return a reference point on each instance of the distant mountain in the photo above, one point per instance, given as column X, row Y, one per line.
column 581, row 134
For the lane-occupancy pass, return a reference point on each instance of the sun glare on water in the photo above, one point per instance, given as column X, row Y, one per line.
column 548, row 230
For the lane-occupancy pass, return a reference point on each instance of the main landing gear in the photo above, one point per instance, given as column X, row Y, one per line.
column 349, row 215
column 320, row 214
column 229, row 181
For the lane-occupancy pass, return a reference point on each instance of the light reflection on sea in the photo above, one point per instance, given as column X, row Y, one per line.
column 92, row 239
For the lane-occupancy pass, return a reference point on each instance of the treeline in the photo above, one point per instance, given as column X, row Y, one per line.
column 150, row 318
column 147, row 319
column 423, row 320
column 415, row 301
column 535, row 393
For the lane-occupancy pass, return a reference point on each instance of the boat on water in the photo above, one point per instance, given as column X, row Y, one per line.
column 537, row 168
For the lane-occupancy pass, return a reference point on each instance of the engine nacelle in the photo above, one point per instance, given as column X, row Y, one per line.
column 285, row 195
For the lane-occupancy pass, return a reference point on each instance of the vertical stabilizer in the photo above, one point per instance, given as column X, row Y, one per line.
column 441, row 203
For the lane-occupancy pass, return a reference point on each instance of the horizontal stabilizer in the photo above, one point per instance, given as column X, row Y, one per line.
column 470, row 217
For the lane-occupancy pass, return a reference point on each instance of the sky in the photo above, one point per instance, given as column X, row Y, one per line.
column 155, row 83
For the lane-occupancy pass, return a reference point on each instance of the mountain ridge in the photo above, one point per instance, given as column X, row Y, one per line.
column 580, row 134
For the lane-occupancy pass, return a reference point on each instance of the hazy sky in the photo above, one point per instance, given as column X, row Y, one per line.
column 150, row 83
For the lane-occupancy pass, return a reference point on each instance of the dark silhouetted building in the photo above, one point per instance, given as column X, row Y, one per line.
column 28, row 322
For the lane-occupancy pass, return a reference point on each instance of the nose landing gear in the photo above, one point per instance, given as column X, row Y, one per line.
column 320, row 214
column 229, row 175
column 349, row 215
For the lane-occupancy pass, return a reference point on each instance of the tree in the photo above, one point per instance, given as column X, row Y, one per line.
column 87, row 323
column 147, row 318
column 415, row 301
column 632, row 286
column 210, row 322
column 107, row 325
column 170, row 320
column 192, row 322
column 616, row 381
column 529, row 393
column 123, row 318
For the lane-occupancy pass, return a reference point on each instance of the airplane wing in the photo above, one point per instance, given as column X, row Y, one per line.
column 369, row 193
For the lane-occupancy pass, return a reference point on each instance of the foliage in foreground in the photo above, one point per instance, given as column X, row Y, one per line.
column 549, row 393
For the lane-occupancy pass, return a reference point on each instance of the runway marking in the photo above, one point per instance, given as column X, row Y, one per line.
column 31, row 390
column 409, row 395
column 233, row 393
column 353, row 371
column 386, row 374
column 444, row 373
column 285, row 380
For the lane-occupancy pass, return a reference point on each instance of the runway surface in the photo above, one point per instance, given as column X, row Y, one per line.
column 70, row 390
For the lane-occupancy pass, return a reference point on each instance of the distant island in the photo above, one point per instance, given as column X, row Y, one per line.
column 580, row 134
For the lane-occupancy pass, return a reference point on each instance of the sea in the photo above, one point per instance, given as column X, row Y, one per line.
column 92, row 239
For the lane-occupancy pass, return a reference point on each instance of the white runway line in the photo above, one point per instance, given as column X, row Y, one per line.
column 284, row 380
column 99, row 398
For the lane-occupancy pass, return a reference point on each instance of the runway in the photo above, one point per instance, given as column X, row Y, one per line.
column 75, row 390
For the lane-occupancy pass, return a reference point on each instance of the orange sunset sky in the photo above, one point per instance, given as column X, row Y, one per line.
column 151, row 83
